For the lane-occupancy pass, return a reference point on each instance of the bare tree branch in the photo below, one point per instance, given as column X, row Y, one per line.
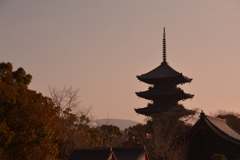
column 65, row 99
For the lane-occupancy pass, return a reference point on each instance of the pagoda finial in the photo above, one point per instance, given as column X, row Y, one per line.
column 164, row 45
column 202, row 114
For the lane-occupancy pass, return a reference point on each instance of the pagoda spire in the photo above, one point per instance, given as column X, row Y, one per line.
column 164, row 46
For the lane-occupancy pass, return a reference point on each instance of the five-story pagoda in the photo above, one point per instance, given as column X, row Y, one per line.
column 163, row 91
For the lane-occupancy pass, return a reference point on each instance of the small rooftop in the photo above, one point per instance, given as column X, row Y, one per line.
column 110, row 153
column 92, row 154
column 129, row 153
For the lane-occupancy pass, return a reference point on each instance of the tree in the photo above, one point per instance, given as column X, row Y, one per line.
column 219, row 157
column 159, row 140
column 10, row 77
column 66, row 99
column 12, row 82
column 110, row 135
column 158, row 135
column 135, row 134
column 29, row 124
column 74, row 121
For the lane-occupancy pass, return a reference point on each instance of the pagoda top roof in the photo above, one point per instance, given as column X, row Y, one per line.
column 163, row 71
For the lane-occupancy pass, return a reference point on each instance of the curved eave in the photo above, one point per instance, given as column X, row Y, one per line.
column 151, row 110
column 178, row 79
column 163, row 72
column 177, row 95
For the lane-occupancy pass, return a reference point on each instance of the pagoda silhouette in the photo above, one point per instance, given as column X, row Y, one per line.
column 163, row 91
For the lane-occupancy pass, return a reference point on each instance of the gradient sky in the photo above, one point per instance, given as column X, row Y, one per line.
column 99, row 46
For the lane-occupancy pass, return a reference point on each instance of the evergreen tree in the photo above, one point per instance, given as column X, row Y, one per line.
column 30, row 127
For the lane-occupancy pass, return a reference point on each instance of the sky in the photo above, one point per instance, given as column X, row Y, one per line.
column 100, row 46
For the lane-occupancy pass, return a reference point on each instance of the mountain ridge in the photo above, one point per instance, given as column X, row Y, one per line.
column 121, row 123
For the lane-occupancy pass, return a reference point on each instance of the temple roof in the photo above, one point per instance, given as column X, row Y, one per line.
column 155, row 93
column 222, row 125
column 151, row 109
column 163, row 71
column 218, row 126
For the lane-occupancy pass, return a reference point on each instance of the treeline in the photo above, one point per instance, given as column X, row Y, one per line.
column 33, row 126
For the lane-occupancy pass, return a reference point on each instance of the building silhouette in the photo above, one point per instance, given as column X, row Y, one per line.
column 163, row 91
column 211, row 136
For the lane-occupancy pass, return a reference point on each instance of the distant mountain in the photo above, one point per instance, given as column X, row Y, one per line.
column 121, row 123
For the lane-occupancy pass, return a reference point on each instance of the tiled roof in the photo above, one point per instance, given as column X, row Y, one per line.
column 104, row 153
column 150, row 94
column 221, row 127
column 163, row 71
column 91, row 154
column 151, row 109
column 218, row 126
column 129, row 153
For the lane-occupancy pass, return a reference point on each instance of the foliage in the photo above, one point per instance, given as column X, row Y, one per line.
column 218, row 157
column 9, row 76
column 29, row 125
column 110, row 135
column 135, row 134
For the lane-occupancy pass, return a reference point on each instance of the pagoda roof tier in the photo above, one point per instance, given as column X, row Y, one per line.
column 176, row 94
column 162, row 73
column 151, row 110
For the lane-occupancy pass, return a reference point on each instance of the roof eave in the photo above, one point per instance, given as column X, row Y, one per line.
column 180, row 79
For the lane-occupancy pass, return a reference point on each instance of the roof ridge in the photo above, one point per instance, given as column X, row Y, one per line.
column 218, row 119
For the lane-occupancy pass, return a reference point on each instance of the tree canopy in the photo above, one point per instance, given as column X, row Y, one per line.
column 29, row 124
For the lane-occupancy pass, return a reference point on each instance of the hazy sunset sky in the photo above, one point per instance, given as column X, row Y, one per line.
column 99, row 46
